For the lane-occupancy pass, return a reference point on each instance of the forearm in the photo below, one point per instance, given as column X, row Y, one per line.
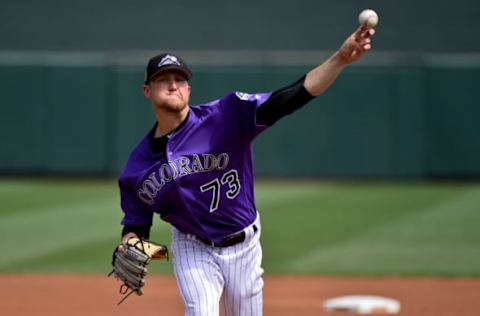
column 321, row 77
column 354, row 47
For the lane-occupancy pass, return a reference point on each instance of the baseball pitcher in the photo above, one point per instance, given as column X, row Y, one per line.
column 194, row 168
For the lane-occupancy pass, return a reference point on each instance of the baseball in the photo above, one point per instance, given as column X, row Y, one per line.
column 368, row 18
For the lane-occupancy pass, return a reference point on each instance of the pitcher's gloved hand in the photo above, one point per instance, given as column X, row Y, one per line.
column 130, row 261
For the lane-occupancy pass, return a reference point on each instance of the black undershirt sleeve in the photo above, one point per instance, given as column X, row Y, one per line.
column 142, row 231
column 282, row 102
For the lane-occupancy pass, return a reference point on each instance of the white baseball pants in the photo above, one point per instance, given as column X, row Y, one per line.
column 207, row 275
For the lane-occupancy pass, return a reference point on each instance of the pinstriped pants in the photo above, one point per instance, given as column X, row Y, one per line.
column 207, row 276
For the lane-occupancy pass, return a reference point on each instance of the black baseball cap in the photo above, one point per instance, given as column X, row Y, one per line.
column 166, row 61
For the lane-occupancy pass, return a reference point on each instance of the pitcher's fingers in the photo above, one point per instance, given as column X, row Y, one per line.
column 121, row 249
column 358, row 32
column 363, row 44
column 366, row 47
column 363, row 32
column 364, row 41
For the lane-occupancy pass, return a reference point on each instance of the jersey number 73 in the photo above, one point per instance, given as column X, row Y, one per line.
column 229, row 178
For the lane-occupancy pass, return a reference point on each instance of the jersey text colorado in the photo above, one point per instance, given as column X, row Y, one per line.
column 179, row 167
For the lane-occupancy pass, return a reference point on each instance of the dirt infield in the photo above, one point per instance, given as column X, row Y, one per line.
column 50, row 295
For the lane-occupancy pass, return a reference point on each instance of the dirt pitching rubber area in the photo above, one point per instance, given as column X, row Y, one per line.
column 22, row 295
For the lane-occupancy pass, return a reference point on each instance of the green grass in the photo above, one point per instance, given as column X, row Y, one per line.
column 308, row 227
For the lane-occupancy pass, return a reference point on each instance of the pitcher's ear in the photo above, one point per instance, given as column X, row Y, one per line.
column 146, row 91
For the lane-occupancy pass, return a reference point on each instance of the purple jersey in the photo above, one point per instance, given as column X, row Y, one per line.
column 204, row 183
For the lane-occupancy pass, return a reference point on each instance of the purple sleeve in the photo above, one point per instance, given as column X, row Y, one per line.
column 134, row 212
column 246, row 106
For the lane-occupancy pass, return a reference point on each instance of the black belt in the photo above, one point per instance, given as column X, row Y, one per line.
column 230, row 240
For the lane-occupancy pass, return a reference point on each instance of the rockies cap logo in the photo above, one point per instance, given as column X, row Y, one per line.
column 169, row 60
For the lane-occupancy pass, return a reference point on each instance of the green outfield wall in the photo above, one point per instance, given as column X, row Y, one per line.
column 384, row 118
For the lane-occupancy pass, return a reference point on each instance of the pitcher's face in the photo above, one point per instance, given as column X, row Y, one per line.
column 169, row 90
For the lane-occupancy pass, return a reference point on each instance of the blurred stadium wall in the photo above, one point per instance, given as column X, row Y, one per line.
column 71, row 75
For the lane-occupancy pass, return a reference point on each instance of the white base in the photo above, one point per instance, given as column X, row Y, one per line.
column 363, row 304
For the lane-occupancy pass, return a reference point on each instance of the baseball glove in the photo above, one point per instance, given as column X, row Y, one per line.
column 130, row 261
